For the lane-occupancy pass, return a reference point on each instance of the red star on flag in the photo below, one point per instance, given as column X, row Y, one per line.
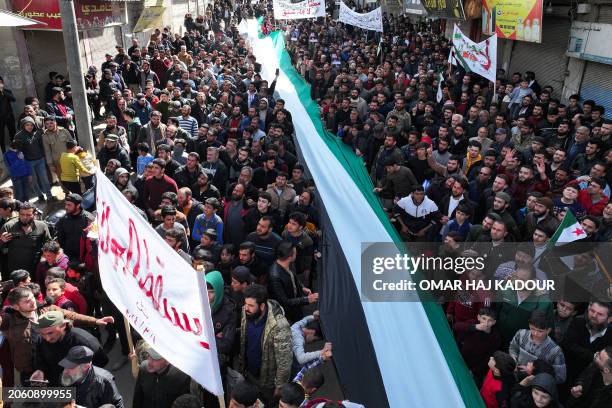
column 578, row 231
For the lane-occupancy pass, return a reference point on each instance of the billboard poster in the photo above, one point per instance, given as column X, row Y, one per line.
column 450, row 9
column 590, row 41
column 414, row 7
column 513, row 20
column 90, row 14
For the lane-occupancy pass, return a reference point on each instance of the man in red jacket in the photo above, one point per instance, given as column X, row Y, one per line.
column 592, row 198
column 156, row 185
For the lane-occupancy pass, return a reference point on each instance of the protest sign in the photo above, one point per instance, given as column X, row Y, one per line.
column 367, row 21
column 161, row 295
column 286, row 10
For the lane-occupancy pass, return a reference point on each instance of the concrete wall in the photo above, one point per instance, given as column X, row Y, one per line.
column 14, row 67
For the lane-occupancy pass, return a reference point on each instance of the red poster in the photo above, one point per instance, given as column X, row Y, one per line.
column 90, row 14
column 45, row 11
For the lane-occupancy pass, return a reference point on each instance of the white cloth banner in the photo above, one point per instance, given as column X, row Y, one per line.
column 286, row 10
column 160, row 294
column 479, row 58
column 367, row 21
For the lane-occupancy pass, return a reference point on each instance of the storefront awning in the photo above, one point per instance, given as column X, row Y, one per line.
column 8, row 19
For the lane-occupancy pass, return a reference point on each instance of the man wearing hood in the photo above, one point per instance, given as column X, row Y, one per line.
column 223, row 311
column 30, row 142
column 264, row 113
column 122, row 179
column 540, row 392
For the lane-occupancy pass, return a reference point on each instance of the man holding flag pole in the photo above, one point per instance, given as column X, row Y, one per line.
column 572, row 250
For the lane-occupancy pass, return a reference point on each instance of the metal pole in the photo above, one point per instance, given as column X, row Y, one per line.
column 75, row 72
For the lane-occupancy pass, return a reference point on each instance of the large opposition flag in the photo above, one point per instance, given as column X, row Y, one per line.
column 367, row 21
column 159, row 293
column 412, row 345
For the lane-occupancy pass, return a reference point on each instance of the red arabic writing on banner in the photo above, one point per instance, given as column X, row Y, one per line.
column 134, row 261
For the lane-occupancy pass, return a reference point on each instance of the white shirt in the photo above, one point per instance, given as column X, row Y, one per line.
column 452, row 204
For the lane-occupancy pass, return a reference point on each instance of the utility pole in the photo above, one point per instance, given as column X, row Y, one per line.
column 76, row 74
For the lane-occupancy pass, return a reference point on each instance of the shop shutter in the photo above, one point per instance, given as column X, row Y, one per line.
column 547, row 60
column 101, row 41
column 605, row 14
column 596, row 85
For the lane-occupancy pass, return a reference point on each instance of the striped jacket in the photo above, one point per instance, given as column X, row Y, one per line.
column 524, row 350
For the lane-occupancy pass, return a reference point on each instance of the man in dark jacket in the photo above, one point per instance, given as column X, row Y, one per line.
column 70, row 227
column 94, row 386
column 56, row 108
column 593, row 389
column 284, row 285
column 399, row 181
column 223, row 312
column 56, row 339
column 577, row 345
column 158, row 383
column 7, row 118
column 112, row 150
column 388, row 150
column 30, row 142
column 187, row 175
column 23, row 237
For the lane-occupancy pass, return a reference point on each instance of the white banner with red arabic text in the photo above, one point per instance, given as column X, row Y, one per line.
column 286, row 10
column 479, row 58
column 156, row 290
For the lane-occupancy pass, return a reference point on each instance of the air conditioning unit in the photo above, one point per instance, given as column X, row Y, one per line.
column 583, row 8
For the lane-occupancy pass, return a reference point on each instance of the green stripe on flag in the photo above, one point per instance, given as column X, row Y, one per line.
column 459, row 58
column 356, row 169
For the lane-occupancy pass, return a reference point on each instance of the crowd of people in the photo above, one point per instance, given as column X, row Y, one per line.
column 203, row 146
column 482, row 168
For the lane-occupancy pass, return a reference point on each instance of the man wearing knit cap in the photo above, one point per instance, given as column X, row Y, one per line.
column 57, row 337
column 542, row 214
column 241, row 279
column 159, row 383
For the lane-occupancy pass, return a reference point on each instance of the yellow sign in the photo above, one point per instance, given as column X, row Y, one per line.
column 151, row 17
column 512, row 19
